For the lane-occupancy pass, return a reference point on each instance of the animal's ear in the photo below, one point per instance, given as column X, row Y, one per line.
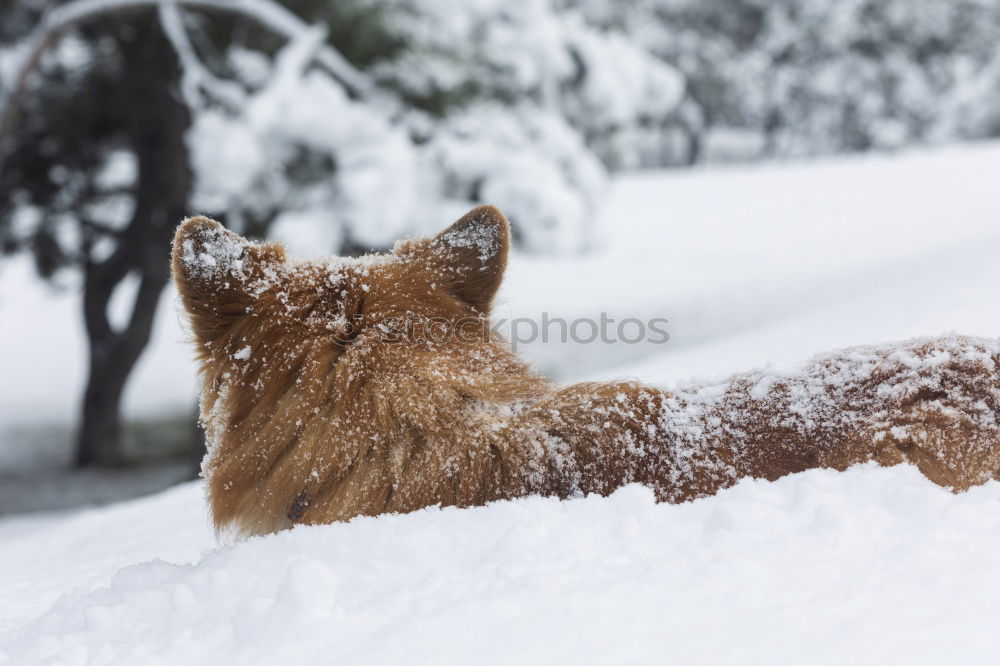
column 219, row 273
column 471, row 256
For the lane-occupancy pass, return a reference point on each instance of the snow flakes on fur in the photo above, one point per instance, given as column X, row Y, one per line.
column 376, row 385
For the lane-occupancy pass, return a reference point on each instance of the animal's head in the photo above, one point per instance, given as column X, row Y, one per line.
column 241, row 295
column 282, row 341
column 316, row 371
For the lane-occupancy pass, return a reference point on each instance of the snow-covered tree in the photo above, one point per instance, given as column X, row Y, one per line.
column 521, row 103
column 95, row 176
column 335, row 126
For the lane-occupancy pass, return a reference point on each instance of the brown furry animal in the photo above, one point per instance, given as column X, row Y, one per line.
column 348, row 387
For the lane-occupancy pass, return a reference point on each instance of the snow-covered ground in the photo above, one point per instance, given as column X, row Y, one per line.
column 751, row 266
column 866, row 567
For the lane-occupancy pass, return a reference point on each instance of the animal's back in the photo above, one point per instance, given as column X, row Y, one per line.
column 338, row 388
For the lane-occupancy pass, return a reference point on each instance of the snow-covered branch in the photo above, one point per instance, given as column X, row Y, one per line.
column 197, row 80
column 268, row 13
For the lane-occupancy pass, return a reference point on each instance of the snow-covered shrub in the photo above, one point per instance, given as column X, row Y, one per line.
column 299, row 150
column 529, row 162
column 538, row 51
column 520, row 103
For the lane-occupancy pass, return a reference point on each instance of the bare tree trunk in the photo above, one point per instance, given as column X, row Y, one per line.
column 113, row 355
column 156, row 132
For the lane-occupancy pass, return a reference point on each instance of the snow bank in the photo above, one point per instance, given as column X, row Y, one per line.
column 867, row 566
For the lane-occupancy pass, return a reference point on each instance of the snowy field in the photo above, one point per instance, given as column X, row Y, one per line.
column 865, row 567
column 751, row 266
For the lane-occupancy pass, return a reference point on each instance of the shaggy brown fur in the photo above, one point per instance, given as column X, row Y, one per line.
column 348, row 387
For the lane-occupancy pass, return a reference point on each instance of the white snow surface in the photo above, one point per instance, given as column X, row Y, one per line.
column 868, row 566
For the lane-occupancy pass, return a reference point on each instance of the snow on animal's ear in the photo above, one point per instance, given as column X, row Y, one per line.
column 215, row 270
column 470, row 256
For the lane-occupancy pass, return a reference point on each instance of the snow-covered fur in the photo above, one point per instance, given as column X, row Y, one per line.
column 346, row 387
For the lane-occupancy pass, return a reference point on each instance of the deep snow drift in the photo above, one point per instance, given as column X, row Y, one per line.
column 870, row 566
